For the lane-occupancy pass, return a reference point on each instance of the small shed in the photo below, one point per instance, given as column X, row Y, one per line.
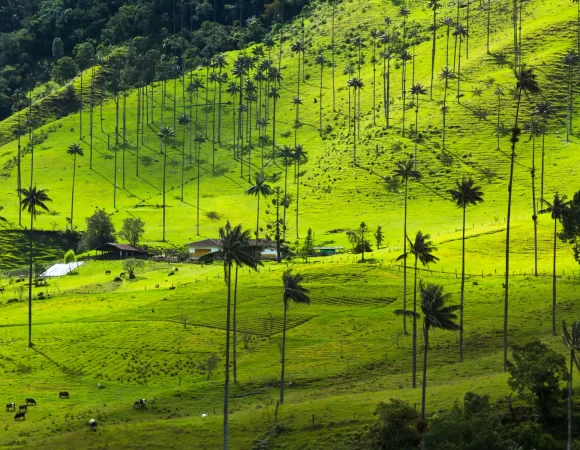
column 328, row 250
column 112, row 250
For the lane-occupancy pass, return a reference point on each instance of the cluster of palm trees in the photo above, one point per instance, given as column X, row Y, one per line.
column 236, row 250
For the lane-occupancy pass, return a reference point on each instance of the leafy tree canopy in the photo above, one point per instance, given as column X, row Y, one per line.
column 100, row 230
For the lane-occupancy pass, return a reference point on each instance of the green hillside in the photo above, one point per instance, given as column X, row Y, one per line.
column 345, row 351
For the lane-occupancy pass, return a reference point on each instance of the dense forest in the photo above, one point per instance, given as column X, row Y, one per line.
column 48, row 40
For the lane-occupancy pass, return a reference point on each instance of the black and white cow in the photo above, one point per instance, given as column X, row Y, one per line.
column 92, row 425
column 30, row 401
column 141, row 403
column 23, row 408
column 11, row 406
column 20, row 415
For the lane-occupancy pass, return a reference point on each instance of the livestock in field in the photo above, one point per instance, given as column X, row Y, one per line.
column 93, row 425
column 11, row 406
column 141, row 403
column 20, row 415
column 107, row 272
column 23, row 408
column 30, row 401
column 63, row 394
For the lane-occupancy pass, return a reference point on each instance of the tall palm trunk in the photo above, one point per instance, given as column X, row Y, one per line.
column 354, row 125
column 283, row 355
column 416, row 129
column 488, row 25
column 80, row 110
column 285, row 193
column 444, row 129
column 72, row 203
column 569, row 104
column 515, row 134
column 164, row 182
column 30, row 281
column 227, row 365
column 462, row 300
column 213, row 130
column 258, row 220
column 542, row 178
column 534, row 216
column 554, row 280
column 320, row 101
column 235, row 329
column 91, row 107
column 404, row 93
column 297, row 194
column 332, row 43
column 274, row 130
column 19, row 169
column 415, row 327
column 374, row 81
column 124, row 135
column 182, row 161
column 405, row 259
column 424, row 390
column 570, row 392
column 116, row 148
column 459, row 72
column 433, row 50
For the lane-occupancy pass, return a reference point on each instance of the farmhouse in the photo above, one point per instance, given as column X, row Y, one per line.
column 112, row 250
column 328, row 251
column 265, row 248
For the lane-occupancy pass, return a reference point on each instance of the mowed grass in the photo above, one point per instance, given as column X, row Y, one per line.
column 345, row 350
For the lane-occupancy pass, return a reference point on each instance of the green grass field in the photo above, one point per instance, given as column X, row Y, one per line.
column 344, row 350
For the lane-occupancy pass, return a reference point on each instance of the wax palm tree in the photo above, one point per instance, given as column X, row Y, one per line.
column 274, row 94
column 434, row 5
column 195, row 86
column 405, row 57
column 259, row 189
column 288, row 156
column 165, row 134
column 33, row 200
column 213, row 78
column 235, row 250
column 321, row 61
column 374, row 36
column 404, row 12
column 526, row 83
column 348, row 71
column 298, row 48
column 18, row 98
column 570, row 60
column 571, row 338
column 436, row 315
column 544, row 110
column 445, row 75
column 357, row 85
column 184, row 121
column 422, row 249
column 466, row 193
column 220, row 63
column 448, row 23
column 233, row 90
column 460, row 33
column 556, row 209
column 332, row 47
column 416, row 91
column 299, row 156
column 74, row 150
column 405, row 171
column 387, row 57
column 536, row 130
column 296, row 101
column 296, row 293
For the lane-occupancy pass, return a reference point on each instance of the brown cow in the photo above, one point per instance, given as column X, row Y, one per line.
column 107, row 272
column 63, row 394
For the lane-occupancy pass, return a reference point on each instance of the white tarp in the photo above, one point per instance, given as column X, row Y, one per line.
column 58, row 270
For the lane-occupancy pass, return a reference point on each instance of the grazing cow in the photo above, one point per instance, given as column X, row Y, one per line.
column 23, row 408
column 141, row 403
column 20, row 415
column 157, row 286
column 11, row 407
column 63, row 394
column 30, row 401
column 93, row 425
column 107, row 272
column 204, row 415
column 2, row 290
column 122, row 274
